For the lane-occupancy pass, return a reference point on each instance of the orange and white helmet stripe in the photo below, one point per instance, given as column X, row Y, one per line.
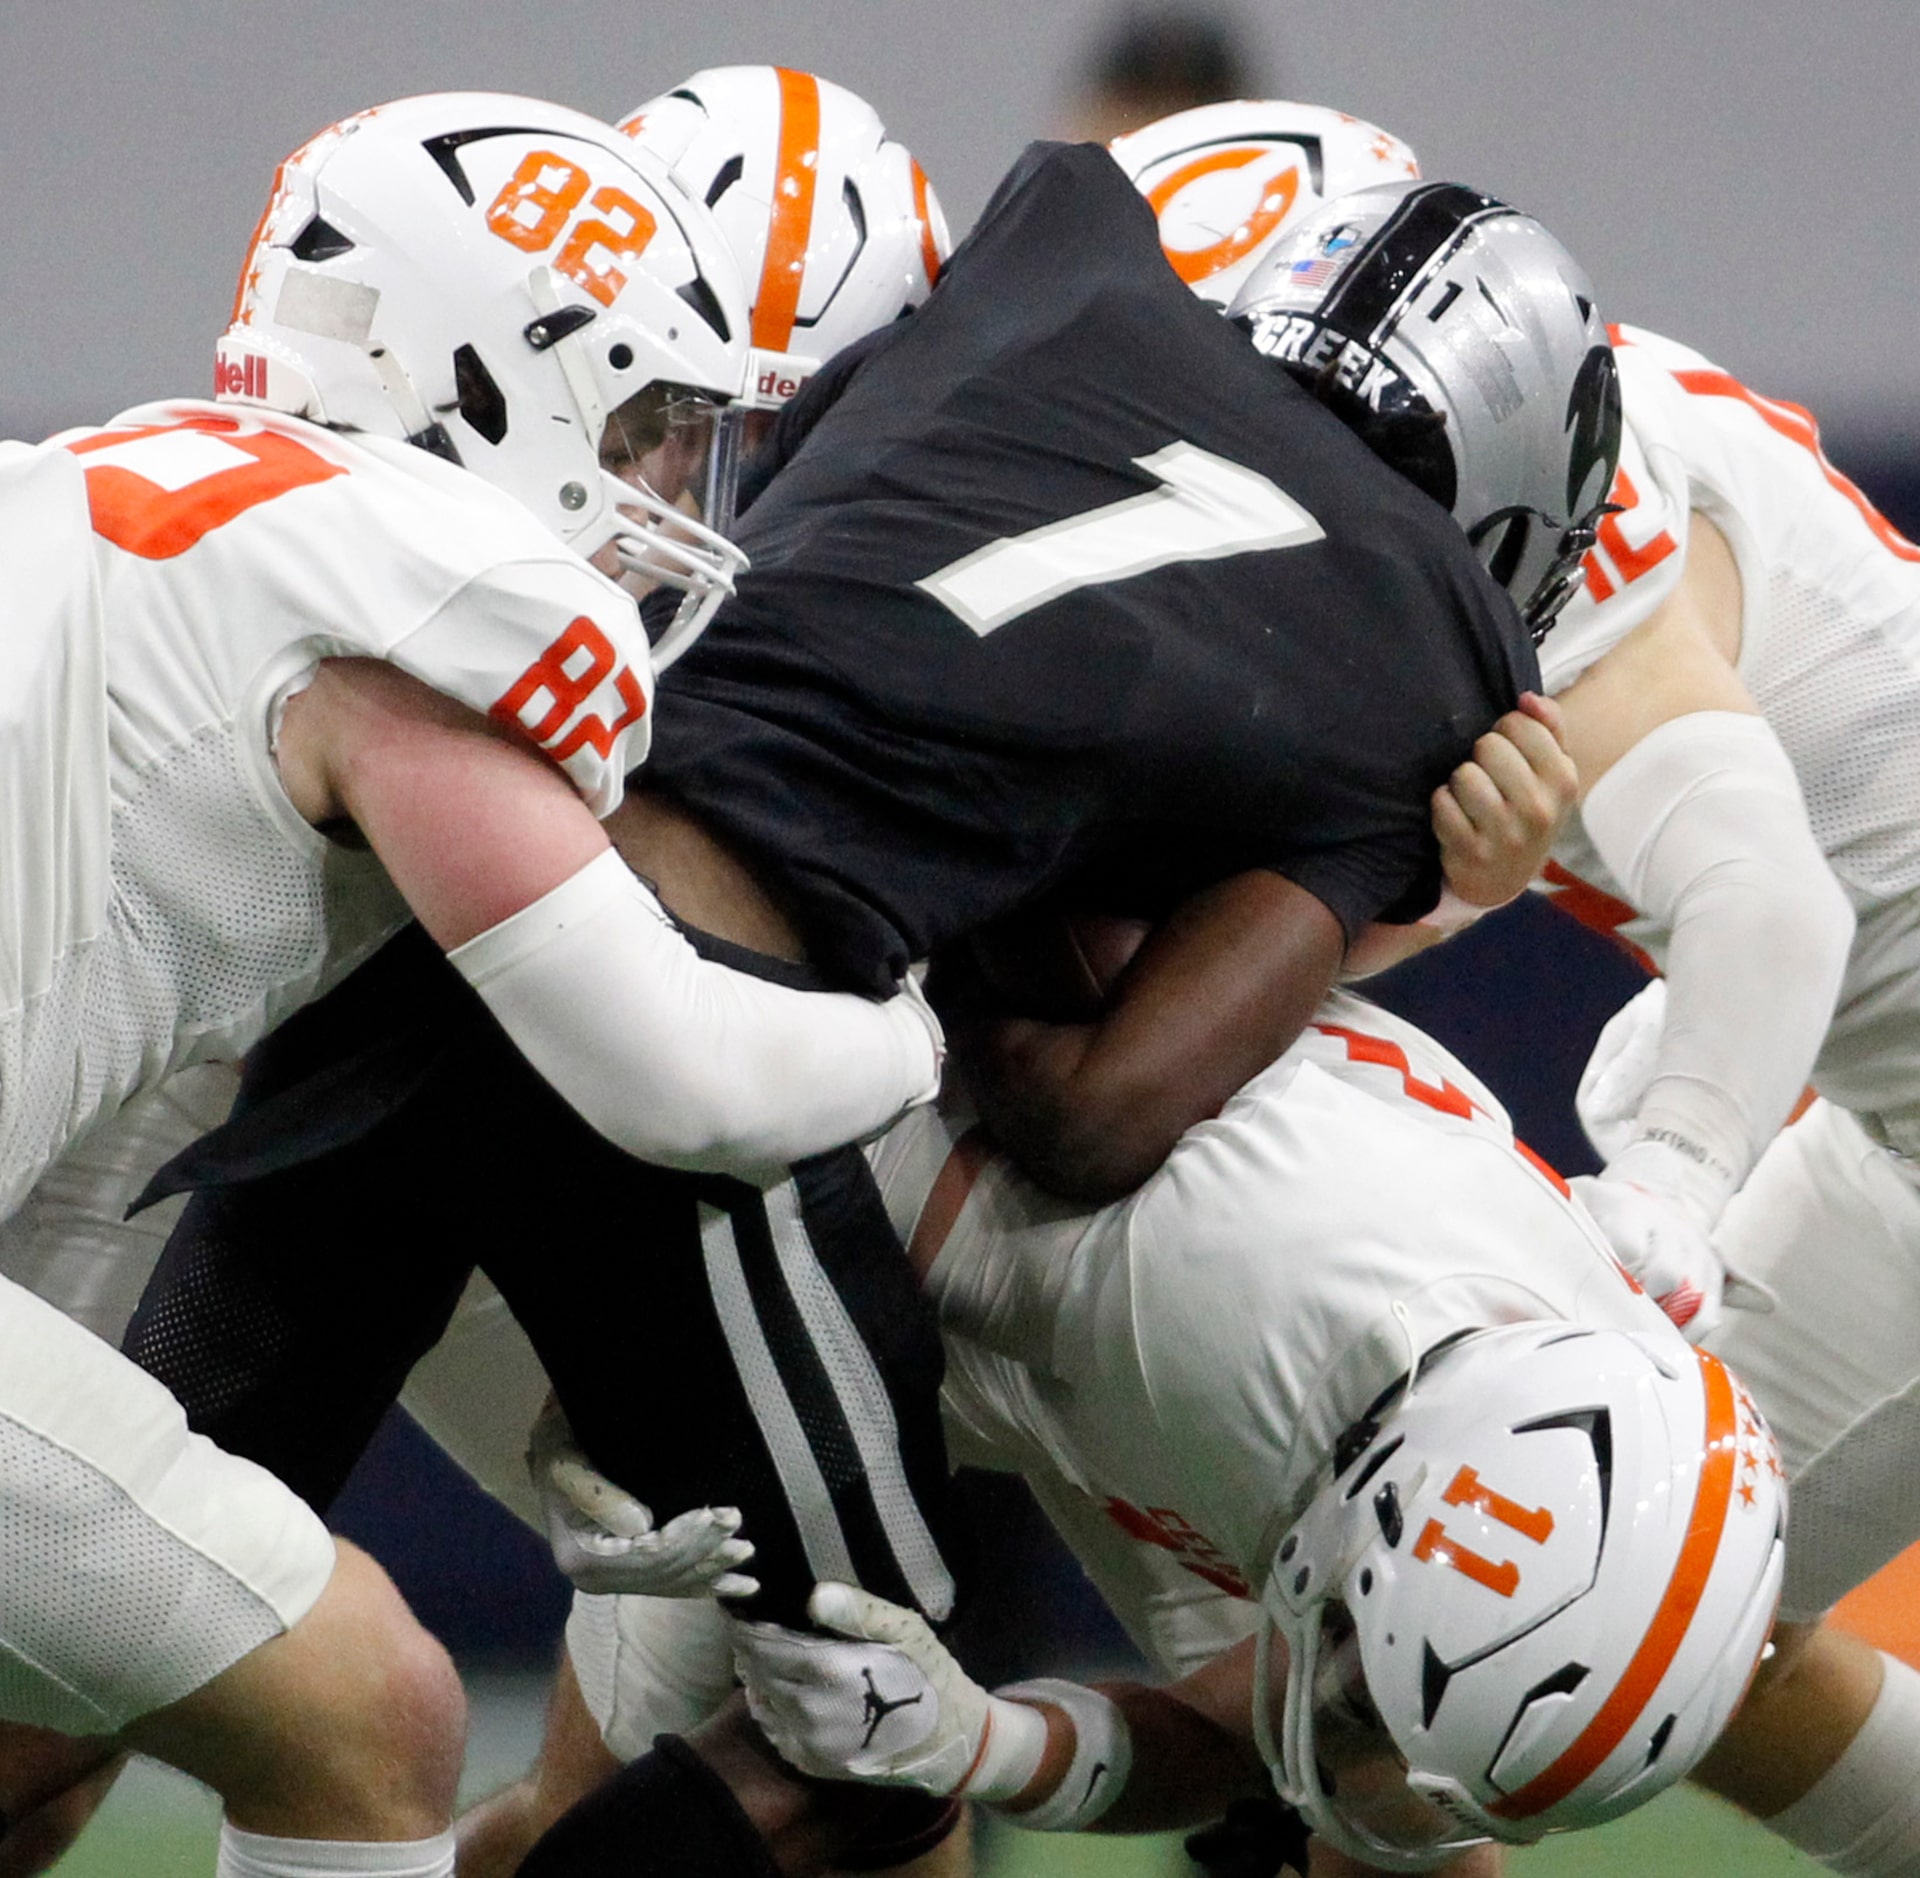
column 1667, row 1629
column 790, row 227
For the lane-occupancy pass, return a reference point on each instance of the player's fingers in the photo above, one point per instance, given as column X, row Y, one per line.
column 1544, row 710
column 1538, row 747
column 594, row 1495
column 857, row 1613
column 1536, row 784
column 1450, row 824
column 1477, row 795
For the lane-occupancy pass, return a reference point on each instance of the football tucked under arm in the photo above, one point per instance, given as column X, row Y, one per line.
column 1174, row 1020
column 1057, row 966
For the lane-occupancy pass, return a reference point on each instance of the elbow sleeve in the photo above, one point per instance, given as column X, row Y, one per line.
column 681, row 1061
column 1703, row 824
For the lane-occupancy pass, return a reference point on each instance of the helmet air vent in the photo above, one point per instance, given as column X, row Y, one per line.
column 700, row 296
column 320, row 241
column 1661, row 1736
column 1376, row 1463
column 482, row 403
column 445, row 151
column 1434, row 1677
column 725, row 177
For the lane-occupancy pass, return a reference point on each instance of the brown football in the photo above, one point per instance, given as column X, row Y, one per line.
column 1053, row 965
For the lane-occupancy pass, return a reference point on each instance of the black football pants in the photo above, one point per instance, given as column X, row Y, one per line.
column 711, row 1343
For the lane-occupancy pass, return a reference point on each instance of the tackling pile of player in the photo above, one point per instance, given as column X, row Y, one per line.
column 641, row 569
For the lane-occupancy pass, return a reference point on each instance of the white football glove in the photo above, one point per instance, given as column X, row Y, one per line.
column 1641, row 1203
column 889, row 1706
column 604, row 1540
column 1620, row 1070
column 1658, row 1241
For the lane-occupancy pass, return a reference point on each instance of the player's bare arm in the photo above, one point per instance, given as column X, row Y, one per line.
column 1092, row 1109
column 471, row 823
column 1682, row 659
column 1214, row 994
column 507, row 868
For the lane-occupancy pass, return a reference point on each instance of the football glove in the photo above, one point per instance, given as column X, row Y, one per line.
column 1659, row 1242
column 883, row 1701
column 605, row 1541
column 1642, row 1203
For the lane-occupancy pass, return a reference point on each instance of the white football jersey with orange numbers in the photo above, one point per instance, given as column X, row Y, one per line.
column 1829, row 648
column 171, row 579
column 1185, row 1359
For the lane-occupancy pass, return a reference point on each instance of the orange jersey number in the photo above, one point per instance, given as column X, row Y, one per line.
column 562, row 679
column 157, row 490
column 538, row 200
column 1436, row 1546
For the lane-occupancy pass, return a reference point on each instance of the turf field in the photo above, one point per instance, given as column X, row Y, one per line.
column 160, row 1825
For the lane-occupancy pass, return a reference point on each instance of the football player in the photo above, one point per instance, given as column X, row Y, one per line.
column 1733, row 670
column 909, row 765
column 1741, row 676
column 1348, row 1370
column 833, row 225
column 278, row 680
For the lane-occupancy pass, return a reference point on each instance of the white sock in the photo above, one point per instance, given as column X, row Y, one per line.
column 1862, row 1816
column 255, row 1855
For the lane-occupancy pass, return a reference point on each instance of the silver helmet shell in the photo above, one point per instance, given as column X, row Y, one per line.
column 1461, row 340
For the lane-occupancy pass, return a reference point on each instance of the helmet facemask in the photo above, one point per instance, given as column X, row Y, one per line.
column 493, row 278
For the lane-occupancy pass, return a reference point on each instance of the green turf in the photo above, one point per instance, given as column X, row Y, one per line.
column 158, row 1824
column 1681, row 1835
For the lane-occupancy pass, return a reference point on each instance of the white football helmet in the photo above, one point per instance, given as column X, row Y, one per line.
column 1226, row 180
column 494, row 278
column 833, row 224
column 1529, row 1598
column 1462, row 342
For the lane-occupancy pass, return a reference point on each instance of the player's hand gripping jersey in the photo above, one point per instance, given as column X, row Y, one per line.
column 172, row 580
column 1829, row 649
column 1066, row 579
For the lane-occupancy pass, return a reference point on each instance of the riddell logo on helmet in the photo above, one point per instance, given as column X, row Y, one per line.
column 240, row 378
column 773, row 383
column 776, row 376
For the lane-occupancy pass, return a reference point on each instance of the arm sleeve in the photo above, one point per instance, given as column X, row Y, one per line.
column 683, row 1062
column 1702, row 822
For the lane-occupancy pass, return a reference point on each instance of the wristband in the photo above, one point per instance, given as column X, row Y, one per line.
column 1102, row 1756
column 1012, row 1745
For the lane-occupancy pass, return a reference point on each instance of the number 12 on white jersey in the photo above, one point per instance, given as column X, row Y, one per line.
column 1205, row 507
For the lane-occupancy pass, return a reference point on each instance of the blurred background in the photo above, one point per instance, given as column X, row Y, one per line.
column 1741, row 177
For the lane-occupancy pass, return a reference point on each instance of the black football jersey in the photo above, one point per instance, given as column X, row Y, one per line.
column 1061, row 583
